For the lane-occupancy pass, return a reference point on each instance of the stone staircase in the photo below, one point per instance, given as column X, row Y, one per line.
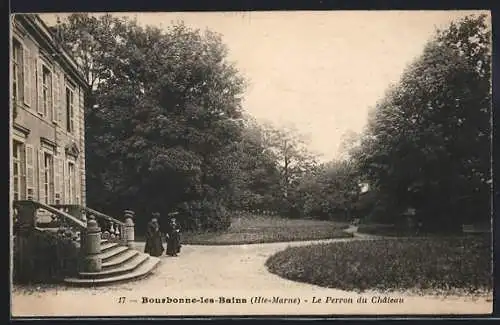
column 119, row 263
column 107, row 254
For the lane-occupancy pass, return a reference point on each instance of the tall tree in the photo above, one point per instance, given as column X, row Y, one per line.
column 427, row 143
column 290, row 149
column 168, row 109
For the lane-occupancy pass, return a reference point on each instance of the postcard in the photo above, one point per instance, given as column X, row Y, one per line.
column 284, row 163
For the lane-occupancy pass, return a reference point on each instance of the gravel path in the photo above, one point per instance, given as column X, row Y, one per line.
column 228, row 271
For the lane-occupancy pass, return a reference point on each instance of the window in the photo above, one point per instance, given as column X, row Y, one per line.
column 46, row 91
column 70, row 124
column 72, row 182
column 48, row 178
column 19, row 175
column 17, row 70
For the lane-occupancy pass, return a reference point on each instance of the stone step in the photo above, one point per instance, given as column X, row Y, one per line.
column 107, row 246
column 117, row 261
column 142, row 271
column 110, row 253
column 128, row 266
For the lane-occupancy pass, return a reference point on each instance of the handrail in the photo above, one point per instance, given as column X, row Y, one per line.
column 53, row 210
column 104, row 216
column 93, row 212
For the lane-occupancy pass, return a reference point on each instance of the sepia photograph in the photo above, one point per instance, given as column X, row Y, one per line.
column 253, row 163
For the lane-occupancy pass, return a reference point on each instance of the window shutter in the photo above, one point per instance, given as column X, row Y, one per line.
column 33, row 81
column 60, row 171
column 50, row 99
column 39, row 80
column 57, row 179
column 30, row 172
column 77, row 184
column 22, row 172
column 76, row 106
column 63, row 102
column 41, row 181
column 26, row 76
column 52, row 185
column 81, row 111
column 55, row 96
column 67, row 199
column 61, row 97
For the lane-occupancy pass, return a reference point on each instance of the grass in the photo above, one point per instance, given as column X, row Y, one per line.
column 254, row 229
column 452, row 265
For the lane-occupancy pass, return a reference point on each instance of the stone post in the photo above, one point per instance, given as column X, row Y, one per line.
column 129, row 235
column 92, row 248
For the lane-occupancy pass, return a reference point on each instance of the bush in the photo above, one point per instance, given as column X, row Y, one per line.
column 204, row 215
column 44, row 257
column 418, row 264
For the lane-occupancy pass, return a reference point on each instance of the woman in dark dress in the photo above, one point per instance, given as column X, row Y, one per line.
column 173, row 238
column 154, row 246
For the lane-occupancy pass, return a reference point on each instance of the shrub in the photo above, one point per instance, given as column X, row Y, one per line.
column 204, row 215
column 44, row 257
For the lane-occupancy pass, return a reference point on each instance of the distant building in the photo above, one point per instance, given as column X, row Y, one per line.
column 47, row 120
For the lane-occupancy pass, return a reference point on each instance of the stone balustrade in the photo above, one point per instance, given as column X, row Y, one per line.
column 85, row 226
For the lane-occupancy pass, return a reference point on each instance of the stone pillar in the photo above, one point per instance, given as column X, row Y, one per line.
column 129, row 235
column 92, row 248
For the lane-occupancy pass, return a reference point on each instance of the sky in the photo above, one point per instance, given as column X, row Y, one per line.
column 318, row 71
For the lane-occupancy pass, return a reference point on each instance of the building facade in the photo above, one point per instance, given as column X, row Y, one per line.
column 47, row 117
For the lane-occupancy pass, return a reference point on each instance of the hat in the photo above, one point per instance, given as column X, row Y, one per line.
column 156, row 214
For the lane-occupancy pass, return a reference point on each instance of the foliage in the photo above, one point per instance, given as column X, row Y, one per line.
column 289, row 149
column 44, row 257
column 167, row 104
column 255, row 178
column 330, row 193
column 438, row 265
column 427, row 145
column 165, row 131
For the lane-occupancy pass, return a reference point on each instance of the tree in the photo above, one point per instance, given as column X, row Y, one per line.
column 349, row 141
column 427, row 142
column 168, row 109
column 331, row 192
column 290, row 151
column 255, row 178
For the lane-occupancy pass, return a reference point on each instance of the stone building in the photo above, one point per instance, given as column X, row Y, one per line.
column 47, row 120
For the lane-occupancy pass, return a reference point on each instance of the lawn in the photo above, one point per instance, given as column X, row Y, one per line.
column 424, row 265
column 253, row 229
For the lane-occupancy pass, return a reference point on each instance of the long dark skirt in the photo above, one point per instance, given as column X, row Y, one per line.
column 173, row 244
column 154, row 246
